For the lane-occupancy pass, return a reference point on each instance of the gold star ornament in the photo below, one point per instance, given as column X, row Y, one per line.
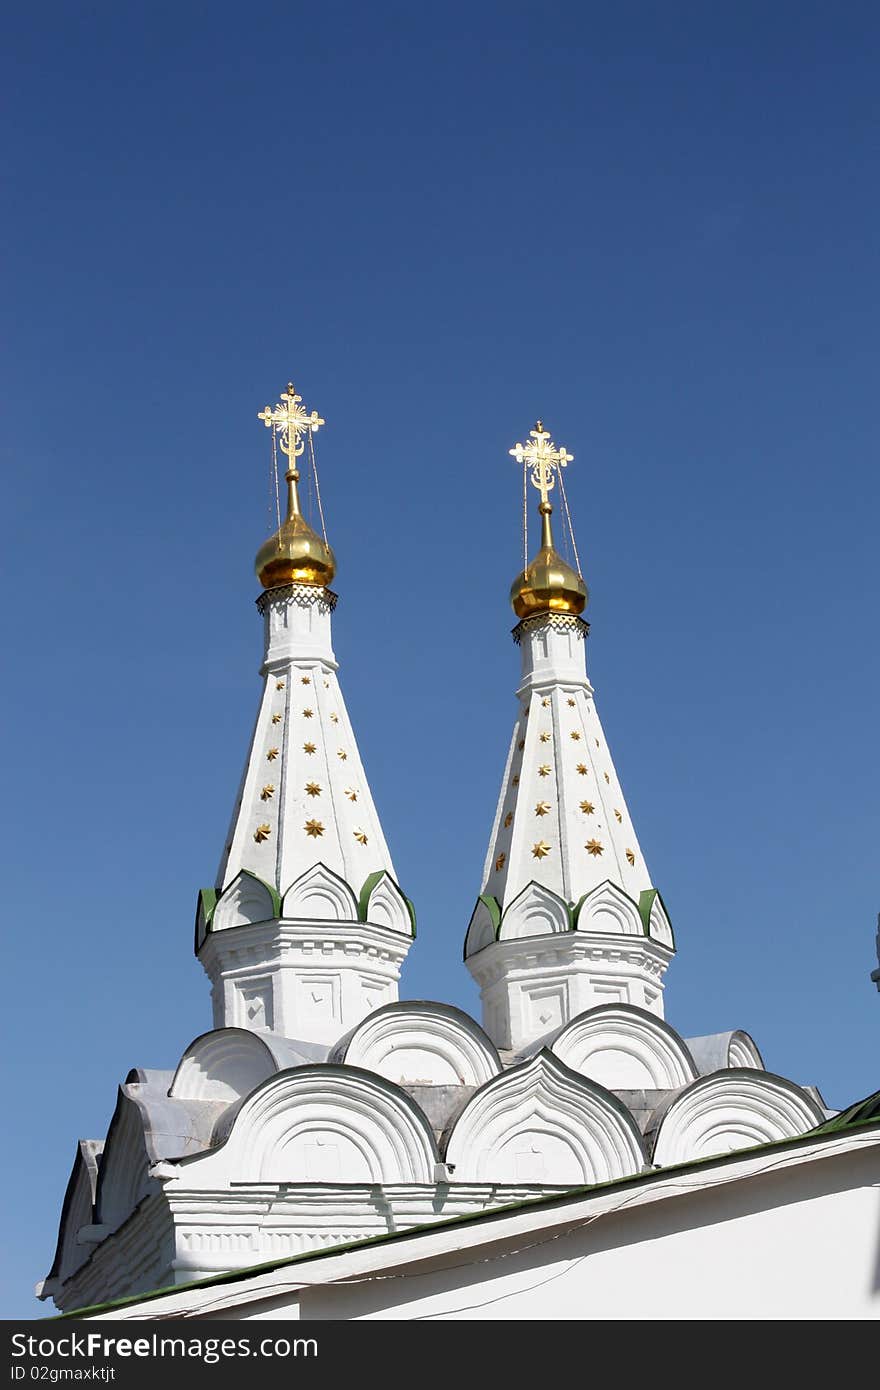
column 272, row 755
column 594, row 847
column 542, row 808
column 314, row 828
column 308, row 748
column 507, row 820
column 262, row 833
column 500, row 862
column 630, row 857
column 582, row 769
column 307, row 713
column 268, row 792
column 360, row 837
column 540, row 850
column 313, row 789
column 544, row 770
column 587, row 807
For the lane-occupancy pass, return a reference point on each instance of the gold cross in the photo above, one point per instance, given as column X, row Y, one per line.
column 291, row 421
column 543, row 459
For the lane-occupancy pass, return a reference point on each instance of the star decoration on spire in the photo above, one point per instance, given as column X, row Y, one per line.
column 313, row 789
column 542, row 808
column 543, row 770
column 587, row 807
column 262, row 833
column 594, row 847
column 540, row 850
column 314, row 828
column 360, row 837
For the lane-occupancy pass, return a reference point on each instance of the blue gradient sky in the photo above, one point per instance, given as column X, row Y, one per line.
column 653, row 225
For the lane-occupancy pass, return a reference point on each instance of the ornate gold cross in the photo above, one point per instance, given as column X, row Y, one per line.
column 291, row 421
column 542, row 458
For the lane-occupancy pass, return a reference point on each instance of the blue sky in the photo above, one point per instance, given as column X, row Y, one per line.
column 652, row 225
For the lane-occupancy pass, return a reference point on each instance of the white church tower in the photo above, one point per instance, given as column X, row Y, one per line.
column 305, row 930
column 567, row 916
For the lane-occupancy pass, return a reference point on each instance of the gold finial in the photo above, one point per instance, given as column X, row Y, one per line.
column 543, row 459
column 295, row 554
column 547, row 584
column 291, row 421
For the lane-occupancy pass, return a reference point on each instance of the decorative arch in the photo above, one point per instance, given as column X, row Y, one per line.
column 320, row 1124
column 320, row 895
column 720, row 1051
column 731, row 1110
column 383, row 904
column 123, row 1177
column 483, row 926
column 246, row 900
column 541, row 1124
column 608, row 910
column 625, row 1048
column 225, row 1064
column 656, row 918
column 77, row 1211
column 421, row 1043
column 536, row 911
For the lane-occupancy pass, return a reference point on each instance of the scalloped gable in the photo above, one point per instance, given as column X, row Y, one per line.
column 652, row 911
column 537, row 911
column 323, row 1123
column 123, row 1178
column 247, row 900
column 731, row 1110
column 225, row 1064
column 483, row 926
column 419, row 1042
column 625, row 1048
column 320, row 895
column 382, row 903
column 540, row 1122
column 610, row 911
column 77, row 1210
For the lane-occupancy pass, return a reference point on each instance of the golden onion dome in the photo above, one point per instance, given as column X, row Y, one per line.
column 548, row 584
column 295, row 554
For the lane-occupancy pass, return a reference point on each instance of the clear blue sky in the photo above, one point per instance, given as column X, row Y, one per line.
column 653, row 225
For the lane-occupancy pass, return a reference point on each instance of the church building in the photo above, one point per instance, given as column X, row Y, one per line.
column 328, row 1149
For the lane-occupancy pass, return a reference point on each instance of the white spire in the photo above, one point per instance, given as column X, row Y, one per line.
column 563, row 861
column 562, row 820
column 304, row 798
